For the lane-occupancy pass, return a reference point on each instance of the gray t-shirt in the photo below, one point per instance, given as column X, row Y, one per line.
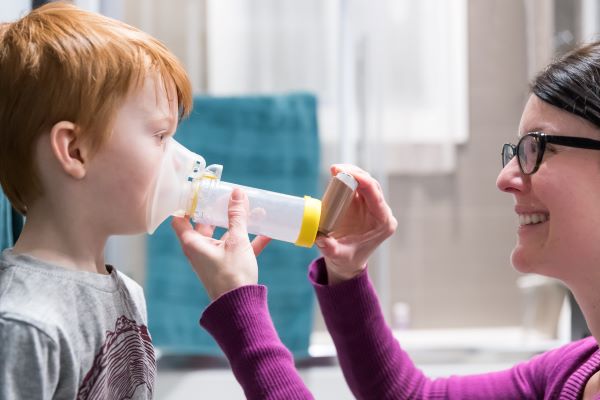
column 71, row 334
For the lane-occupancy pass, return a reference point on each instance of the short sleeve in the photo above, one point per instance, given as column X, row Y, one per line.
column 29, row 361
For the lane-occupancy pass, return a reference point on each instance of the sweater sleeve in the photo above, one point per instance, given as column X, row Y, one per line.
column 240, row 323
column 376, row 367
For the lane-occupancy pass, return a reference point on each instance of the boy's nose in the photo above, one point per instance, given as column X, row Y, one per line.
column 511, row 178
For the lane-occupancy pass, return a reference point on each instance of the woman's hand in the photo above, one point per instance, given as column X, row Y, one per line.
column 225, row 264
column 365, row 225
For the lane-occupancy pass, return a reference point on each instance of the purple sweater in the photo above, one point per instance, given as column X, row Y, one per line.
column 374, row 364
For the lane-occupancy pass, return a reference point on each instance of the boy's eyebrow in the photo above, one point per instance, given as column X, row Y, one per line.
column 161, row 119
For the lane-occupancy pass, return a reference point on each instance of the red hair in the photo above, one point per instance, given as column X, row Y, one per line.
column 61, row 63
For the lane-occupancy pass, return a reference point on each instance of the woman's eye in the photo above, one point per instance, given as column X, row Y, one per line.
column 550, row 148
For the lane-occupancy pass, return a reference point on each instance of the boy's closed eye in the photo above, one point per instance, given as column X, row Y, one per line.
column 161, row 135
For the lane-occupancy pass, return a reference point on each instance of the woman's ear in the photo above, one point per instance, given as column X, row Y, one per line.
column 69, row 149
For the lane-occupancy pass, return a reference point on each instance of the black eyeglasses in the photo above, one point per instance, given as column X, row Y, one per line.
column 531, row 147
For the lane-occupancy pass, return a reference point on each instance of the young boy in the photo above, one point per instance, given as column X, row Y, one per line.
column 86, row 103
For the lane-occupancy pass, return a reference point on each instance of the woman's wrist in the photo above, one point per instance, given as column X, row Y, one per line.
column 337, row 275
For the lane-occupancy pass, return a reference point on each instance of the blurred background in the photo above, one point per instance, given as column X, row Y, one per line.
column 420, row 93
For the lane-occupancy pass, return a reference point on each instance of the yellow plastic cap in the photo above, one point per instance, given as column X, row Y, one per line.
column 310, row 222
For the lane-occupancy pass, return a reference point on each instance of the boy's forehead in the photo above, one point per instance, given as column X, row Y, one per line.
column 155, row 99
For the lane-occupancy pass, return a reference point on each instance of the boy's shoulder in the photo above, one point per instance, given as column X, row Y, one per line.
column 51, row 298
column 24, row 297
column 132, row 286
column 134, row 290
column 81, row 325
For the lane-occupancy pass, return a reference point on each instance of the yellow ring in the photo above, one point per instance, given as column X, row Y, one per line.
column 196, row 184
column 310, row 222
column 196, row 189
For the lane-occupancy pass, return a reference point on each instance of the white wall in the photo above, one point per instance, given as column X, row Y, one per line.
column 11, row 10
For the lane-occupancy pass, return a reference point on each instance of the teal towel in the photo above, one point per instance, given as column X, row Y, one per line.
column 267, row 142
column 11, row 223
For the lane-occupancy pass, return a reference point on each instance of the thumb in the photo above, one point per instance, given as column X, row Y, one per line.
column 328, row 246
column 238, row 213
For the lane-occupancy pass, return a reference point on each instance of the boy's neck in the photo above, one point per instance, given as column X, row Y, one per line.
column 61, row 241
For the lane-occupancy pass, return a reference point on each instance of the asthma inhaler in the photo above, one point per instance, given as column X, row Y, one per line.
column 187, row 187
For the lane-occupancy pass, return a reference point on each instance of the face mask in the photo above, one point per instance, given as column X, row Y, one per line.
column 179, row 169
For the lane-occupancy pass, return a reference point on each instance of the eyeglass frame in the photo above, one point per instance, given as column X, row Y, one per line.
column 542, row 140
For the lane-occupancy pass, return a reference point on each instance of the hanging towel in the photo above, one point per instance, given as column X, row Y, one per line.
column 267, row 142
column 11, row 223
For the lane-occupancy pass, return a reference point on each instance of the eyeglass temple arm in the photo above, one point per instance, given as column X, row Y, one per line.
column 582, row 143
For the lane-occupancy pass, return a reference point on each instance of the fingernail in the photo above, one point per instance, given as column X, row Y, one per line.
column 237, row 194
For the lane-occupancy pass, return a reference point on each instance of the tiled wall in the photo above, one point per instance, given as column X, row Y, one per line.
column 451, row 255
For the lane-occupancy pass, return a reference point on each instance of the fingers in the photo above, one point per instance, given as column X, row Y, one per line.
column 238, row 213
column 259, row 243
column 364, row 179
column 180, row 225
column 347, row 168
column 205, row 230
column 327, row 245
column 237, row 235
column 191, row 241
column 368, row 188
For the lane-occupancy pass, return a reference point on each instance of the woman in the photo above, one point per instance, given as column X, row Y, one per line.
column 553, row 175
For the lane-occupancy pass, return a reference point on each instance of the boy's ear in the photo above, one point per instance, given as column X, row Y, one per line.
column 69, row 149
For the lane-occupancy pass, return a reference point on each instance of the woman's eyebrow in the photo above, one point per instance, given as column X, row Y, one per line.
column 534, row 129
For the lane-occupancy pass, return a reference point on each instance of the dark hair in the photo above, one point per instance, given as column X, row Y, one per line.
column 572, row 83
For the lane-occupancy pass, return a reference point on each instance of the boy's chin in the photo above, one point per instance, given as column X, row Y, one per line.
column 132, row 232
column 136, row 228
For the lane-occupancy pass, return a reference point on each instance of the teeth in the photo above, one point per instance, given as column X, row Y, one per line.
column 529, row 219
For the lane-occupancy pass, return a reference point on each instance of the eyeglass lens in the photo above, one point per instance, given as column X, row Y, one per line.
column 508, row 152
column 528, row 149
column 528, row 153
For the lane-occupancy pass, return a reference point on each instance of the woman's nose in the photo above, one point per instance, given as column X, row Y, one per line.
column 511, row 178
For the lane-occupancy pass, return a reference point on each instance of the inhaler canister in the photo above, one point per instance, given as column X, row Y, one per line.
column 336, row 200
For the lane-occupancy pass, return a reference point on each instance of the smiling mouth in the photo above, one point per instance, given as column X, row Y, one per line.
column 532, row 219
